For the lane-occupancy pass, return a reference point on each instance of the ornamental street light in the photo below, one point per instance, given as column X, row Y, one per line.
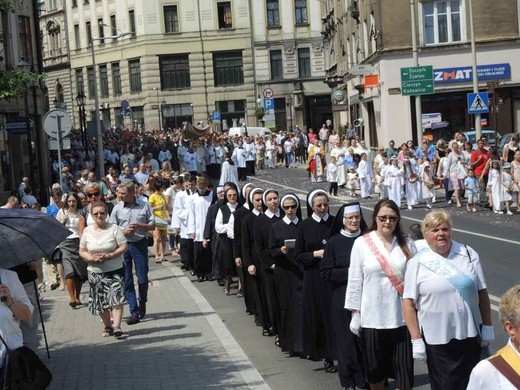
column 80, row 101
column 99, row 131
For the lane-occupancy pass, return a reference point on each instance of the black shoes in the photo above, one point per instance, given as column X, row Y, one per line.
column 142, row 310
column 200, row 278
column 133, row 320
column 329, row 366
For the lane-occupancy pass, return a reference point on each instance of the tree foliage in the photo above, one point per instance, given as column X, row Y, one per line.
column 15, row 82
column 7, row 5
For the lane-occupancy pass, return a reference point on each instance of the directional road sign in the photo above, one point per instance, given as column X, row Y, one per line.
column 417, row 80
column 478, row 103
column 268, row 104
column 18, row 125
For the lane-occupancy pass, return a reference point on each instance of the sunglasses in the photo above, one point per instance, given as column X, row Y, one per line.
column 290, row 206
column 384, row 218
column 100, row 214
column 93, row 194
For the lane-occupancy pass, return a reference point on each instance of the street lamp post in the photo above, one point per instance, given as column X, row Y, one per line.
column 478, row 123
column 80, row 101
column 158, row 108
column 99, row 131
column 289, row 107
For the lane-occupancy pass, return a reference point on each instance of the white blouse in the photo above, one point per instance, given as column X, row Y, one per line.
column 442, row 313
column 369, row 290
column 486, row 377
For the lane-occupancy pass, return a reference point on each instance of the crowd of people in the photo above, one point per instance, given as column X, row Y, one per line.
column 360, row 295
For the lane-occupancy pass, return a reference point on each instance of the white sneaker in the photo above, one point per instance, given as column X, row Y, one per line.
column 409, row 208
column 498, row 212
column 433, row 199
column 474, row 209
column 429, row 206
column 509, row 213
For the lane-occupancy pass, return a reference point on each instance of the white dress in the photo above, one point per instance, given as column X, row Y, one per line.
column 496, row 189
column 342, row 174
column 411, row 189
column 393, row 175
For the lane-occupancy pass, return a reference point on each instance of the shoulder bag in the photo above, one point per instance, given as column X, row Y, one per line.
column 25, row 370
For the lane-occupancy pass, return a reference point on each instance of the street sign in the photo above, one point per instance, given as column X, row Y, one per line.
column 268, row 104
column 417, row 80
column 478, row 103
column 361, row 70
column 215, row 117
column 125, row 111
column 268, row 93
column 18, row 125
column 57, row 119
column 125, row 104
column 55, row 145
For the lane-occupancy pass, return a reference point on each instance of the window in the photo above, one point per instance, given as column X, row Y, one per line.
column 74, row 3
column 171, row 19
column 101, row 30
column 276, row 64
column 25, row 41
column 103, row 79
column 273, row 13
column 304, row 62
column 134, row 67
column 116, row 78
column 300, row 8
column 225, row 15
column 175, row 71
column 88, row 27
column 131, row 21
column 52, row 5
column 79, row 81
column 60, row 96
column 231, row 111
column 442, row 22
column 77, row 37
column 228, row 68
column 53, row 31
column 113, row 25
column 91, row 83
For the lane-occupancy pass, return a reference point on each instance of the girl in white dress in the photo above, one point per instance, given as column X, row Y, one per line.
column 515, row 173
column 427, row 184
column 507, row 186
column 352, row 181
column 393, row 175
column 494, row 187
column 411, row 183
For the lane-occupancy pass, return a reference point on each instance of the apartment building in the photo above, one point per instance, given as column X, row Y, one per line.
column 289, row 63
column 156, row 63
column 23, row 150
column 367, row 42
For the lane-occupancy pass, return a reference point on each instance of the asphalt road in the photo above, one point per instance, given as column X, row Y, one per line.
column 493, row 236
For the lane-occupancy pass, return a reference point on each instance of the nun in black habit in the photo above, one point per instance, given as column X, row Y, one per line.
column 263, row 225
column 225, row 243
column 288, row 276
column 251, row 262
column 212, row 236
column 237, row 218
column 347, row 227
column 318, row 328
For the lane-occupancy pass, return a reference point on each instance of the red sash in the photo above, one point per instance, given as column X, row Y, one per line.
column 383, row 262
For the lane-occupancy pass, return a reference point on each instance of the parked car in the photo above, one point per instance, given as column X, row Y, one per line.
column 491, row 135
column 250, row 130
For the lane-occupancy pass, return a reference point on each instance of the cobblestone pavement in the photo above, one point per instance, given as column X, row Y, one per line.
column 180, row 344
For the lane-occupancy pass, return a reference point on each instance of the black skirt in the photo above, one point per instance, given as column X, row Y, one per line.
column 389, row 355
column 450, row 365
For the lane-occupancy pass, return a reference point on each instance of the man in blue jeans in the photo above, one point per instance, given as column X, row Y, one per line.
column 136, row 219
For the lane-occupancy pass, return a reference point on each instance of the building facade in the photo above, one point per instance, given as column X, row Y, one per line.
column 156, row 63
column 22, row 152
column 367, row 42
column 289, row 63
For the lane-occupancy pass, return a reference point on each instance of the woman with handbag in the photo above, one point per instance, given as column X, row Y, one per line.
column 455, row 172
column 374, row 296
column 15, row 306
column 446, row 305
column 160, row 212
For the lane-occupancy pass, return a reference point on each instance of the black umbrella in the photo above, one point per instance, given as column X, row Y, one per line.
column 27, row 235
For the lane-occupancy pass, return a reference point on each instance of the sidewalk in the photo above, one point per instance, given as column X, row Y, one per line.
column 180, row 344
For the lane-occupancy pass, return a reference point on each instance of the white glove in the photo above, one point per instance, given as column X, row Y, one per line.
column 355, row 324
column 419, row 350
column 487, row 335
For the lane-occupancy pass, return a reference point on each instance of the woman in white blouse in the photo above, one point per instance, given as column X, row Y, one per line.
column 489, row 374
column 446, row 305
column 377, row 266
column 455, row 172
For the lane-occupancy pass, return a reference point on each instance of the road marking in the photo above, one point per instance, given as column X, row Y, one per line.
column 402, row 216
column 237, row 355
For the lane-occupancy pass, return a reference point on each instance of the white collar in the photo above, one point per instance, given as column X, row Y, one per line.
column 246, row 206
column 318, row 219
column 288, row 221
column 270, row 214
column 345, row 233
column 232, row 207
column 256, row 212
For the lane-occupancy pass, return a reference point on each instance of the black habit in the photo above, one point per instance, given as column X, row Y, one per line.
column 239, row 215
